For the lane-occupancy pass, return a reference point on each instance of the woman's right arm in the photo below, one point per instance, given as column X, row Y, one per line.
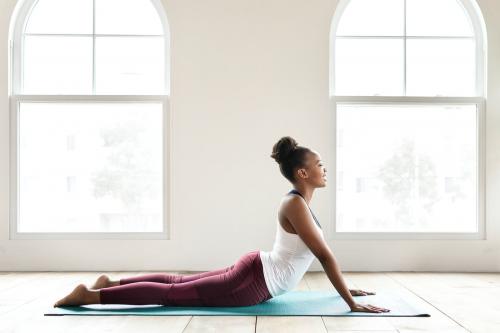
column 332, row 270
column 297, row 212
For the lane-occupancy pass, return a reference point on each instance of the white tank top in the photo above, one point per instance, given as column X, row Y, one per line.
column 287, row 263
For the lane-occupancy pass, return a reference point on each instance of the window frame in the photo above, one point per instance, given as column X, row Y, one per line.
column 479, row 100
column 16, row 97
column 478, row 26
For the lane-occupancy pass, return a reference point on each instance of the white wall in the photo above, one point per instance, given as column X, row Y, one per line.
column 245, row 73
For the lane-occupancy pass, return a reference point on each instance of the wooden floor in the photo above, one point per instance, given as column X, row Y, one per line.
column 457, row 302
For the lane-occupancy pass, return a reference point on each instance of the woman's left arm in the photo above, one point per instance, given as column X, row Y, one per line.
column 333, row 272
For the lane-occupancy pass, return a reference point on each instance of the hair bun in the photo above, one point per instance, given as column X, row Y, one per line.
column 284, row 148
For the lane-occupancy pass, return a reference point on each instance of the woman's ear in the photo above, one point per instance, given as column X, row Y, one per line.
column 302, row 173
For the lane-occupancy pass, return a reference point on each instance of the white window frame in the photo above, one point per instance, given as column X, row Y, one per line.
column 479, row 100
column 16, row 97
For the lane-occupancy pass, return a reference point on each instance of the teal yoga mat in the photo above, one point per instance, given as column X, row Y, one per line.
column 292, row 303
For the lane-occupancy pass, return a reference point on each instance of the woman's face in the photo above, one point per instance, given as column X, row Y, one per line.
column 316, row 170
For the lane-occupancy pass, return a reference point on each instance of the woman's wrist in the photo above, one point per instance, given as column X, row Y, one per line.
column 351, row 304
column 349, row 299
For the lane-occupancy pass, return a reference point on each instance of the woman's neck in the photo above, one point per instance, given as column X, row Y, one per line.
column 307, row 193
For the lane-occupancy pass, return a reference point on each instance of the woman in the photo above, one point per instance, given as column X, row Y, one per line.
column 257, row 275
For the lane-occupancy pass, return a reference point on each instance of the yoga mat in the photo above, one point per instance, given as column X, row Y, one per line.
column 292, row 303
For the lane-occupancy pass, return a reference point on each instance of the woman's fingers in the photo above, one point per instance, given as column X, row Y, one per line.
column 378, row 308
column 373, row 308
column 368, row 308
column 359, row 292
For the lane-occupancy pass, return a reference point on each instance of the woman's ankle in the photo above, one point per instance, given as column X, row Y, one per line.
column 95, row 297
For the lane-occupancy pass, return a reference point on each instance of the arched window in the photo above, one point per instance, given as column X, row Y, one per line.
column 407, row 81
column 89, row 90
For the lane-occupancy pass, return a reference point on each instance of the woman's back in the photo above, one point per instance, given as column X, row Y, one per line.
column 285, row 265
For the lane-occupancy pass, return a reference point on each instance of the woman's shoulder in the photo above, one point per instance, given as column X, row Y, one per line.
column 291, row 200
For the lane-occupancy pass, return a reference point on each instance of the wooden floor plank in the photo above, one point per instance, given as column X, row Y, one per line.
column 289, row 324
column 236, row 324
column 469, row 301
column 7, row 281
column 28, row 317
column 493, row 279
column 380, row 282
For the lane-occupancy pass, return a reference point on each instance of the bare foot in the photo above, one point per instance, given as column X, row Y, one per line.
column 79, row 296
column 102, row 281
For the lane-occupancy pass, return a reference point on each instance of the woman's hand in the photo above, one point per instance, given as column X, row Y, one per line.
column 367, row 308
column 359, row 292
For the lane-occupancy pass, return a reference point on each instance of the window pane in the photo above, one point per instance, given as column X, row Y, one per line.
column 98, row 170
column 61, row 16
column 407, row 168
column 132, row 65
column 127, row 17
column 369, row 67
column 372, row 18
column 441, row 67
column 437, row 18
column 58, row 65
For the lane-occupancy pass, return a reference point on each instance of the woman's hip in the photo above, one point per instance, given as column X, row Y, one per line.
column 255, row 287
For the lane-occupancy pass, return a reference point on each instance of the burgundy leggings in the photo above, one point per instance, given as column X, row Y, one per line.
column 241, row 284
